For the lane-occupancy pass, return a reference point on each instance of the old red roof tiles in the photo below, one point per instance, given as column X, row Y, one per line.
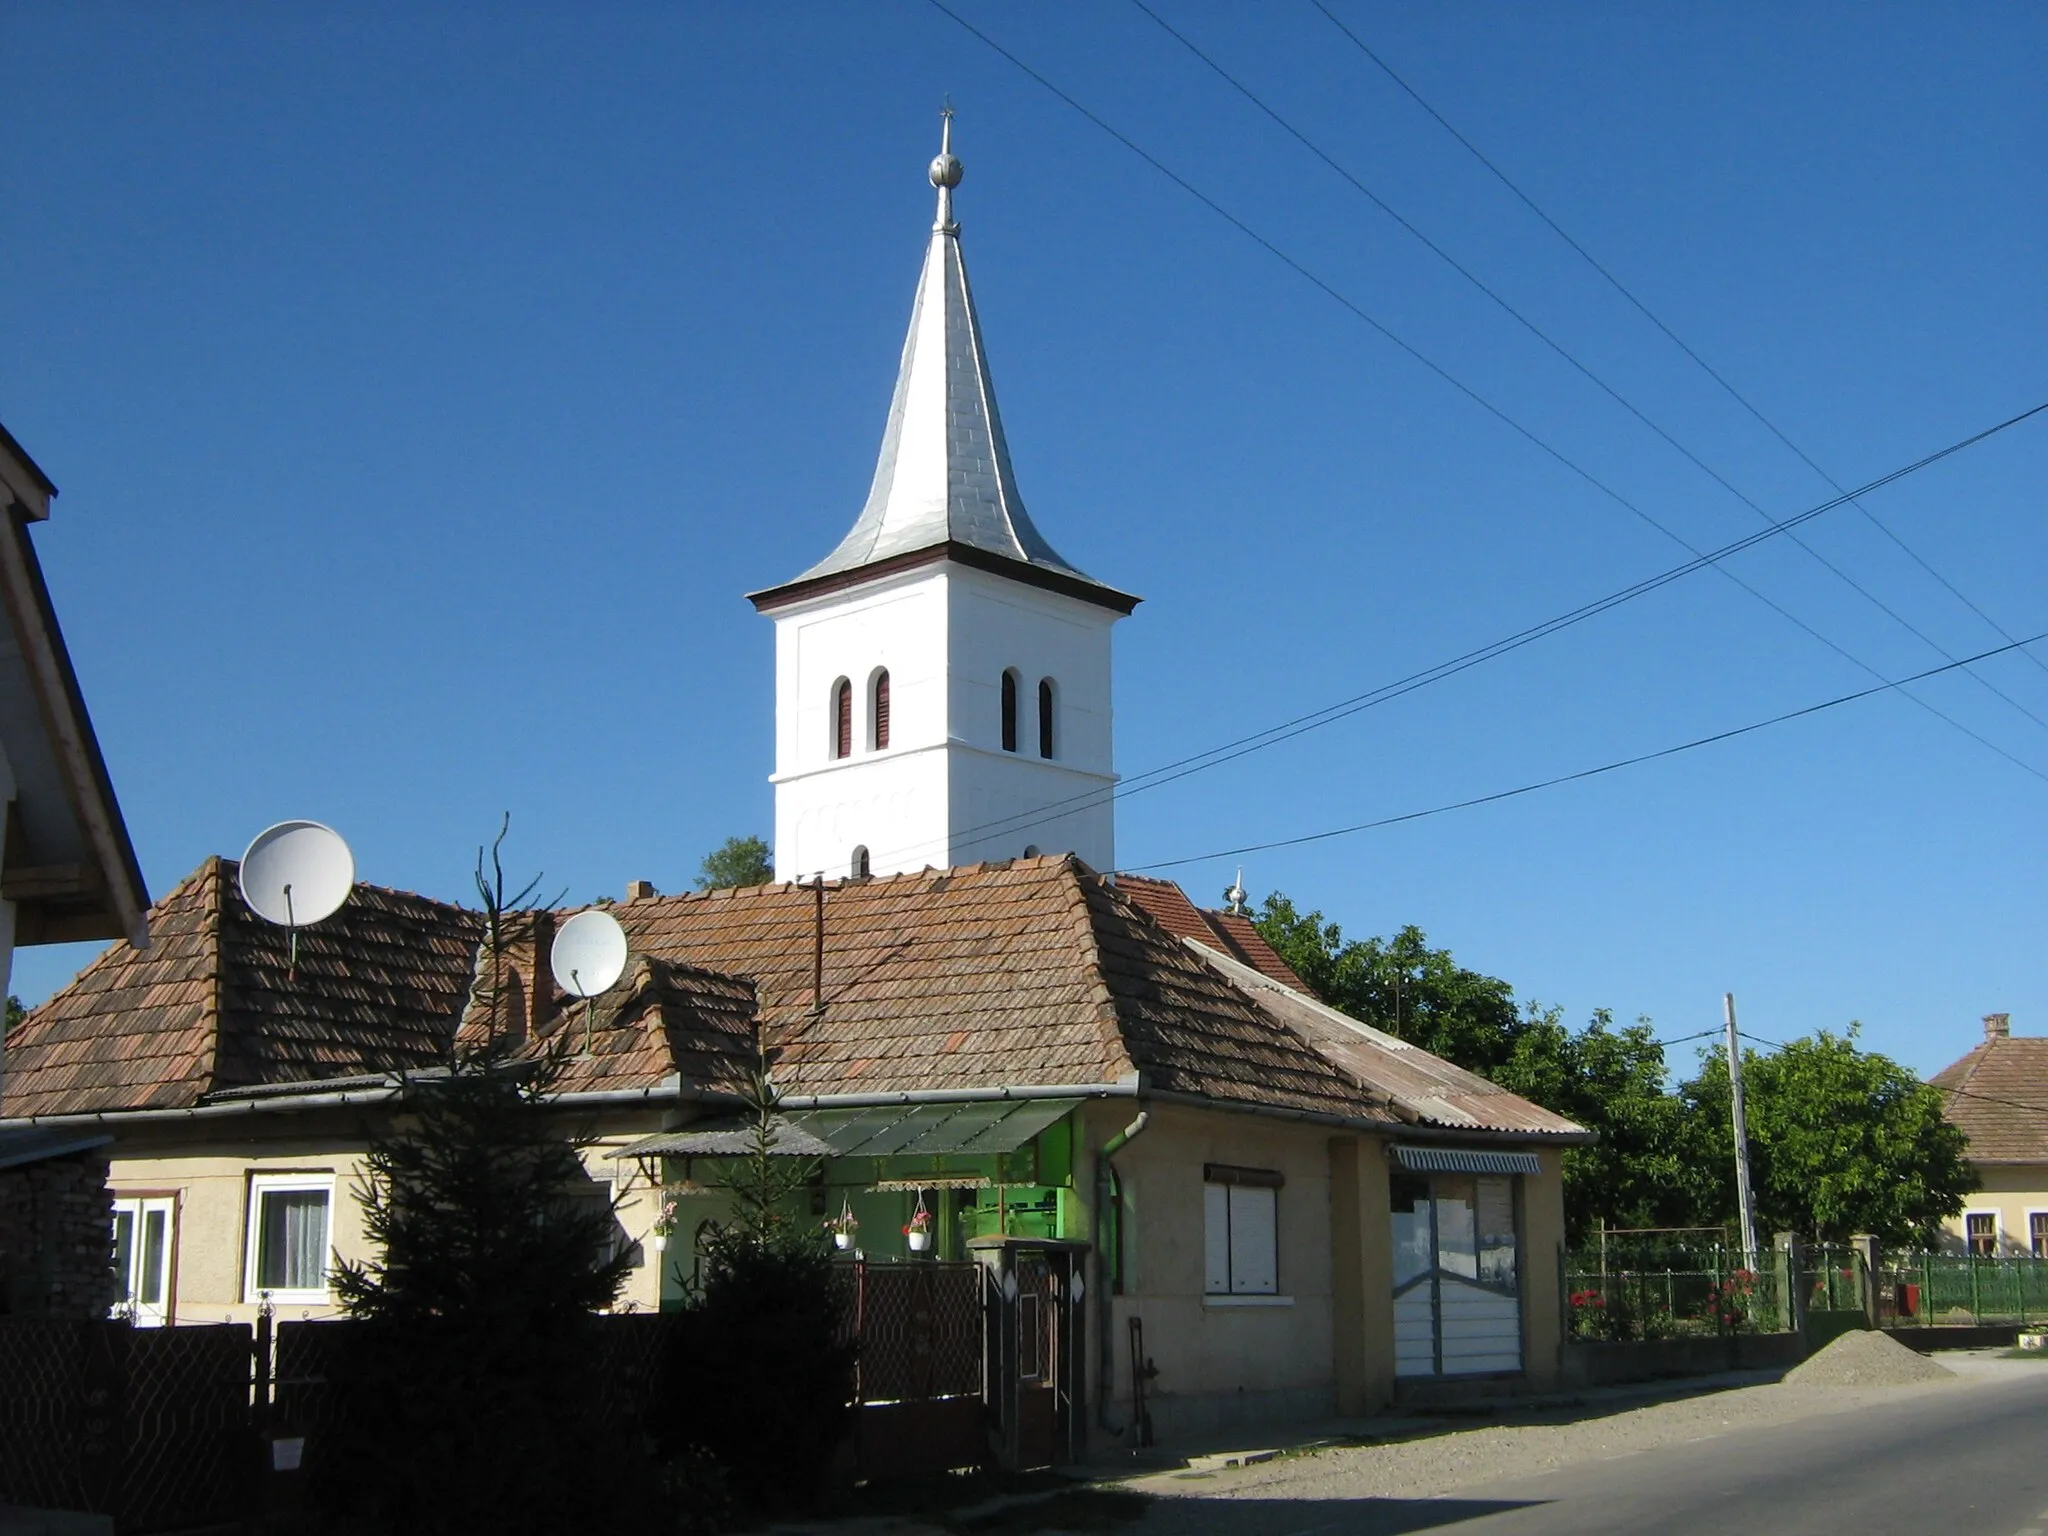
column 1034, row 973
column 1998, row 1096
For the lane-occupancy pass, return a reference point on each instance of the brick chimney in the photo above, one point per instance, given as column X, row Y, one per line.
column 1997, row 1026
column 641, row 890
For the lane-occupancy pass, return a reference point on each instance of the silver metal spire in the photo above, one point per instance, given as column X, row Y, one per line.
column 943, row 477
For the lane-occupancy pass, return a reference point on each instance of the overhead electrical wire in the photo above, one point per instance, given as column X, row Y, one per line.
column 1300, row 725
column 1529, row 325
column 1443, row 373
column 1655, row 319
column 1586, row 773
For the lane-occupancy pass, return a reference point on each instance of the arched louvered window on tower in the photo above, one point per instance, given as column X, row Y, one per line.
column 1045, row 715
column 842, row 718
column 878, row 709
column 1010, row 711
column 860, row 863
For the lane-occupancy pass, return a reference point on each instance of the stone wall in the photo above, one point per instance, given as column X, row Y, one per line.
column 57, row 1238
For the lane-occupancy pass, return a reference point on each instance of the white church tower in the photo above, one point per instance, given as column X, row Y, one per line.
column 942, row 678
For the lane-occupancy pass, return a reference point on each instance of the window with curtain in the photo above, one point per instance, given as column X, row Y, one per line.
column 1009, row 711
column 842, row 718
column 878, row 710
column 1045, row 706
column 288, row 1236
column 1982, row 1227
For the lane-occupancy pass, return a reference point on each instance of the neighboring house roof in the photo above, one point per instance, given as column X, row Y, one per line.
column 1998, row 1097
column 1237, row 936
column 68, row 864
column 216, row 1004
column 1036, row 974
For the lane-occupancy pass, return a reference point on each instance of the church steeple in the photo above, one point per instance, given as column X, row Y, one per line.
column 942, row 678
column 943, row 484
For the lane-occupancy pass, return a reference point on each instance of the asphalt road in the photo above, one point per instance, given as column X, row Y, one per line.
column 1958, row 1461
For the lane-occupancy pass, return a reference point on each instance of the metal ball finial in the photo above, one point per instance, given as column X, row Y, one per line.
column 946, row 170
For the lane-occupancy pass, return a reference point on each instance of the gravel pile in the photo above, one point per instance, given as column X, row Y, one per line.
column 1867, row 1360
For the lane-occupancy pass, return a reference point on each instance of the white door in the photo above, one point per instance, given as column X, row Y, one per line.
column 142, row 1258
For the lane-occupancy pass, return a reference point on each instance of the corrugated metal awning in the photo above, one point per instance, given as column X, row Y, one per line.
column 887, row 1130
column 927, row 1130
column 35, row 1144
column 1465, row 1160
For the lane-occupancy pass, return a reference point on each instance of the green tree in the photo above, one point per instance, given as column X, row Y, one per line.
column 1400, row 985
column 470, row 1384
column 15, row 1012
column 1609, row 1080
column 1612, row 1081
column 1841, row 1141
column 738, row 861
column 767, row 1315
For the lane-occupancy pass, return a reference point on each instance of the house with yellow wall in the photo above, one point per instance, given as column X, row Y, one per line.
column 1997, row 1096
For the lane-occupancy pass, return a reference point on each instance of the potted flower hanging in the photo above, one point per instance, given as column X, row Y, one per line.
column 843, row 1226
column 919, row 1230
column 665, row 1222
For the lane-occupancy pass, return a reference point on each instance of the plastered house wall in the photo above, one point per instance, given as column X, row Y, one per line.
column 209, row 1177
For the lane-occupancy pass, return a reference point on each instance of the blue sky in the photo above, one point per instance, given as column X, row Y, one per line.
column 426, row 385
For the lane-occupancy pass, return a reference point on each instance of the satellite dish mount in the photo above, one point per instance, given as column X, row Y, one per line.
column 589, row 955
column 295, row 874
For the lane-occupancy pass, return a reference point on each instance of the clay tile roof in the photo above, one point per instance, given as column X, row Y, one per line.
column 672, row 1020
column 978, row 975
column 1998, row 1097
column 1168, row 906
column 1036, row 972
column 215, row 1003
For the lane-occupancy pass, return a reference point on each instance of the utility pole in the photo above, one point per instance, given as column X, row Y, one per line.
column 1745, row 1200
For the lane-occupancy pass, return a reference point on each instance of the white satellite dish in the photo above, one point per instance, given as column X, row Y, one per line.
column 296, row 873
column 589, row 953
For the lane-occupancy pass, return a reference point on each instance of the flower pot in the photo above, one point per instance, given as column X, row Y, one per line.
column 919, row 1241
column 842, row 1240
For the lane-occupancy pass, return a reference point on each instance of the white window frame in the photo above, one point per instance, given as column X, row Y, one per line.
column 136, row 1207
column 261, row 1184
column 1997, row 1227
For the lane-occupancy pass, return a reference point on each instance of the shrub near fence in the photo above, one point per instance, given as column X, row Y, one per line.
column 1668, row 1294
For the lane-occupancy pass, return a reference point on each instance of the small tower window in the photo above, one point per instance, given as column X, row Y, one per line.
column 878, row 700
column 842, row 718
column 860, row 862
column 1045, row 710
column 1010, row 711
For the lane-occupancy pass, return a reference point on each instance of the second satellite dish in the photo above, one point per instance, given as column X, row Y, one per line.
column 296, row 873
column 589, row 952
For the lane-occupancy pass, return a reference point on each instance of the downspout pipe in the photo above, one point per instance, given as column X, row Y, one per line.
column 1105, row 1323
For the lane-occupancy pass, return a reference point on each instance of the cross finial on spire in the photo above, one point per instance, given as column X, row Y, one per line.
column 945, row 171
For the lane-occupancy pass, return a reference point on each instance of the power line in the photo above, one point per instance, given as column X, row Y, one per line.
column 1588, row 773
column 1198, row 762
column 1563, row 352
column 1648, row 314
column 1443, row 373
